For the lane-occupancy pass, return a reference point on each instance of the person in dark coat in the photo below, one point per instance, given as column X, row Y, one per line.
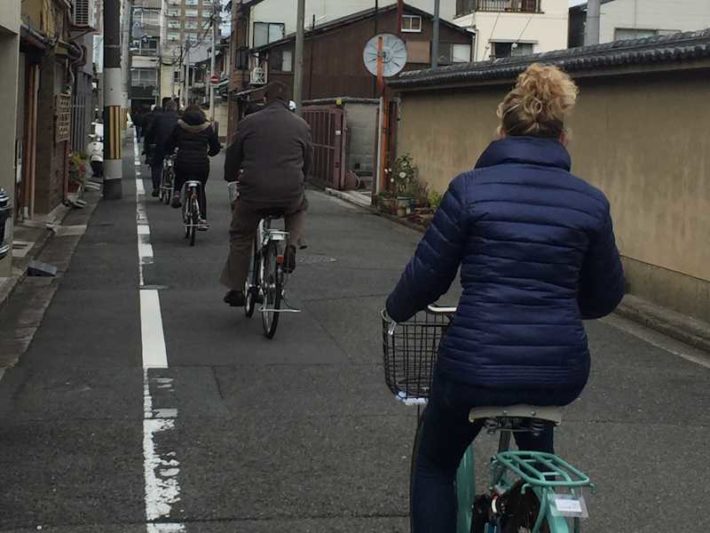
column 195, row 140
column 138, row 118
column 537, row 256
column 148, row 121
column 269, row 161
column 160, row 131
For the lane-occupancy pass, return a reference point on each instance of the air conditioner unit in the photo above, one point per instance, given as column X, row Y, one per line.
column 82, row 12
column 258, row 76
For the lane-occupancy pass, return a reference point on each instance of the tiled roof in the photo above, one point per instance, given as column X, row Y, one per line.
column 676, row 48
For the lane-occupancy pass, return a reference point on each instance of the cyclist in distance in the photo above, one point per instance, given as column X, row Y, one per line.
column 537, row 254
column 195, row 140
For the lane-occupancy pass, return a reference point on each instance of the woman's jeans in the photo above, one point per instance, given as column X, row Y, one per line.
column 447, row 432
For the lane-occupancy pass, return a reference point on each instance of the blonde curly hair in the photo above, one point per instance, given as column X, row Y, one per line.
column 539, row 104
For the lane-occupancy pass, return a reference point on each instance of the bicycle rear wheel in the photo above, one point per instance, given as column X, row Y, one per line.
column 194, row 218
column 251, row 290
column 272, row 287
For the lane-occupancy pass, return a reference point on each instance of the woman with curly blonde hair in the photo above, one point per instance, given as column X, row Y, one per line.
column 537, row 255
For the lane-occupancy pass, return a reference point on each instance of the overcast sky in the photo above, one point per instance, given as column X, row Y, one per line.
column 575, row 2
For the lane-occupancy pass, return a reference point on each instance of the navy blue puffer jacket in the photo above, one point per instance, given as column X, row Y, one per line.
column 537, row 255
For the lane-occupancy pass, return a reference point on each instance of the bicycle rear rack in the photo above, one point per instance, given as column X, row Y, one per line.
column 540, row 469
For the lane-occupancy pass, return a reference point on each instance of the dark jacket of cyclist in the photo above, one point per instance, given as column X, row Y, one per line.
column 537, row 255
column 196, row 141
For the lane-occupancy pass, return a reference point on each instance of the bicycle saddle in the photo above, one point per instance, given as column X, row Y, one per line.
column 551, row 413
column 271, row 213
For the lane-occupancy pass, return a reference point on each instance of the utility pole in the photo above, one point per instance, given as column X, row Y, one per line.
column 186, row 79
column 113, row 98
column 298, row 70
column 435, row 37
column 591, row 32
column 127, row 36
column 215, row 28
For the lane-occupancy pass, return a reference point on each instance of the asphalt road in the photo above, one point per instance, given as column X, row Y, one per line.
column 298, row 434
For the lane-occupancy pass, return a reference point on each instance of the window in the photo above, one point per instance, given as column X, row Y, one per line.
column 461, row 53
column 191, row 2
column 510, row 49
column 281, row 60
column 621, row 34
column 191, row 12
column 174, row 24
column 176, row 76
column 173, row 36
column 191, row 25
column 192, row 37
column 144, row 77
column 267, row 32
column 173, row 12
column 147, row 46
column 411, row 23
column 206, row 13
column 454, row 53
column 510, row 6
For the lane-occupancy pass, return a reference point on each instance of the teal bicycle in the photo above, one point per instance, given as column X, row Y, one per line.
column 529, row 492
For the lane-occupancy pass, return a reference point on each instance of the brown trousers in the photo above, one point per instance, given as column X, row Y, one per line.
column 242, row 231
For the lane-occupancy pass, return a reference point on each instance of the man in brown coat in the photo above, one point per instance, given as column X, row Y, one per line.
column 269, row 160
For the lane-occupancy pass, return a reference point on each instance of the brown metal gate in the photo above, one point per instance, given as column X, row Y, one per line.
column 328, row 131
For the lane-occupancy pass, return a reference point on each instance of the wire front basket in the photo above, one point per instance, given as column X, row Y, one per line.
column 410, row 350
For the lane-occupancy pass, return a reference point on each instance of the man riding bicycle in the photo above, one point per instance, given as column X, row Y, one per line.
column 269, row 160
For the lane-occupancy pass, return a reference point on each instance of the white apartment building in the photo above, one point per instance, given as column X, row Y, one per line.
column 633, row 19
column 514, row 27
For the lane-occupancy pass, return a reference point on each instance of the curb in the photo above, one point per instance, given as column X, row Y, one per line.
column 20, row 272
column 686, row 329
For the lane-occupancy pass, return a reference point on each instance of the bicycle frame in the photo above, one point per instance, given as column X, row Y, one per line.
column 266, row 235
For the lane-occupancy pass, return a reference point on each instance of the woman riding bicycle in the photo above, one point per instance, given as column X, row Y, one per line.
column 537, row 254
column 195, row 140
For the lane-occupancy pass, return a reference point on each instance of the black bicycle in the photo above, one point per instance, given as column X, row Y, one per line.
column 267, row 278
column 167, row 179
column 191, row 209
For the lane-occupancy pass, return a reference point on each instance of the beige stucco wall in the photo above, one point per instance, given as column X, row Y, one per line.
column 632, row 137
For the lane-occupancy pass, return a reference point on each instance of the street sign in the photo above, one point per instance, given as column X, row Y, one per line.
column 214, row 79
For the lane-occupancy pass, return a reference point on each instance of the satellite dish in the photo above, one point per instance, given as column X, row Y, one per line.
column 394, row 54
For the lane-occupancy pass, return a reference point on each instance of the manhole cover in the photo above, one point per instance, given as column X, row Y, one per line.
column 312, row 259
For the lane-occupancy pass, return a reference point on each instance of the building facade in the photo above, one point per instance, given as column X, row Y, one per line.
column 508, row 28
column 10, row 24
column 632, row 19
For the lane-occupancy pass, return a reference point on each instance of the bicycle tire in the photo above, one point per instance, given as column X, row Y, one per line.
column 186, row 218
column 194, row 219
column 251, row 289
column 272, row 289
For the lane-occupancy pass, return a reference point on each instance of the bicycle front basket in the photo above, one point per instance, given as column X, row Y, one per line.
column 410, row 352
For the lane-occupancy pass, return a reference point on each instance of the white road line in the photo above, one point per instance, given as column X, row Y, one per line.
column 154, row 352
column 161, row 468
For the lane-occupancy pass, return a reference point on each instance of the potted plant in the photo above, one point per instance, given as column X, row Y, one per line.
column 78, row 167
column 404, row 179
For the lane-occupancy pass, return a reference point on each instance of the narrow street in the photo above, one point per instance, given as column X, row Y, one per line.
column 299, row 434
